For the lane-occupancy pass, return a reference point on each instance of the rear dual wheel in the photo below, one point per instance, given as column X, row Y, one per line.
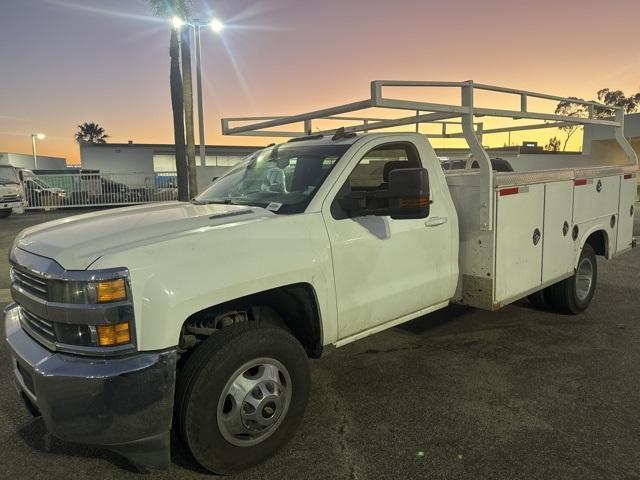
column 574, row 294
column 541, row 299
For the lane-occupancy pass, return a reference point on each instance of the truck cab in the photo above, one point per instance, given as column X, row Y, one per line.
column 11, row 191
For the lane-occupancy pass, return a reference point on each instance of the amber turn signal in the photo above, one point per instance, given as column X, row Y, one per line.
column 112, row 335
column 111, row 290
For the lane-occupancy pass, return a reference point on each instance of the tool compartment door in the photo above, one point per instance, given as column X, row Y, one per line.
column 628, row 188
column 595, row 198
column 558, row 248
column 518, row 254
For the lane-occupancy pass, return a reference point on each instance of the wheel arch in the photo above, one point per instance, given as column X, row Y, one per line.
column 296, row 307
column 598, row 238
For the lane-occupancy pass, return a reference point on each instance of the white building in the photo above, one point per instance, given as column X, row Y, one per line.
column 22, row 160
column 148, row 158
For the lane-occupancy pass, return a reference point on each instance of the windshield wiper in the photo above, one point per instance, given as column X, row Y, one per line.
column 227, row 201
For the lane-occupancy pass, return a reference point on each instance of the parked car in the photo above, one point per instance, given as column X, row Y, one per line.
column 40, row 194
column 497, row 164
column 95, row 189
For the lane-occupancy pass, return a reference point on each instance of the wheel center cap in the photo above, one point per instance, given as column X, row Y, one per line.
column 269, row 410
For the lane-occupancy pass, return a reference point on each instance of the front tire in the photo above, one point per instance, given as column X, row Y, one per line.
column 574, row 294
column 241, row 396
column 5, row 212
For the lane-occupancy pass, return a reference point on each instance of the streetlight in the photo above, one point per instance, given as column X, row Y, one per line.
column 34, row 136
column 216, row 26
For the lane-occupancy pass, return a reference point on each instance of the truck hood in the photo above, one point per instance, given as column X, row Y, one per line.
column 76, row 242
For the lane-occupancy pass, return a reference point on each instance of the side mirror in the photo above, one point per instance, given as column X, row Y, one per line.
column 409, row 193
column 407, row 197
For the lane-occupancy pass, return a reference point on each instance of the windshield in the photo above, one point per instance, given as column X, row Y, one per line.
column 8, row 175
column 282, row 178
column 39, row 183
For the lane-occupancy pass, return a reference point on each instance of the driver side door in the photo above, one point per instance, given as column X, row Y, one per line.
column 385, row 268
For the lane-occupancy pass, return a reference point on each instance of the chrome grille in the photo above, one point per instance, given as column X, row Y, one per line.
column 38, row 325
column 9, row 198
column 31, row 283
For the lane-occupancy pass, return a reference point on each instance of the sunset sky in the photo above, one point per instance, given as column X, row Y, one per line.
column 65, row 62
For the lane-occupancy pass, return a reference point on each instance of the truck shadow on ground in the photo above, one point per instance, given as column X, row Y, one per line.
column 35, row 436
column 436, row 319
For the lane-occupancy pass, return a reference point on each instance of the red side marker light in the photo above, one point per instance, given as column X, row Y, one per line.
column 509, row 191
column 628, row 176
column 582, row 181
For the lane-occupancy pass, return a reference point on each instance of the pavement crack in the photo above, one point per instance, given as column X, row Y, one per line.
column 342, row 430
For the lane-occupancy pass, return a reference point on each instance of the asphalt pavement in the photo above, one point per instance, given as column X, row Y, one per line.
column 462, row 393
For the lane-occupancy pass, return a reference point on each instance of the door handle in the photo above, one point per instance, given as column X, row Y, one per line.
column 435, row 221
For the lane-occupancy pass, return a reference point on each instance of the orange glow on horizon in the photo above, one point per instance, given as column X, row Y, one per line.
column 77, row 65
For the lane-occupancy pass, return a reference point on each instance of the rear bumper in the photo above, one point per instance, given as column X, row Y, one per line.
column 125, row 404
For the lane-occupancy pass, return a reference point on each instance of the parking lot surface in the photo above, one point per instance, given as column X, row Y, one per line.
column 461, row 393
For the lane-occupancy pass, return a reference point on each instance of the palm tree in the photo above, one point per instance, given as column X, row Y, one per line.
column 91, row 132
column 181, row 9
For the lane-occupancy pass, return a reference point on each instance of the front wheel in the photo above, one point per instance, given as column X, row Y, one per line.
column 241, row 396
column 5, row 212
column 573, row 295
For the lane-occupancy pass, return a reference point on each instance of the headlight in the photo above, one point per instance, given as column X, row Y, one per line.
column 94, row 335
column 117, row 332
column 88, row 292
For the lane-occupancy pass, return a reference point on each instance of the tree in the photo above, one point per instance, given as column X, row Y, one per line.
column 91, row 132
column 619, row 99
column 553, row 145
column 181, row 9
column 571, row 109
column 615, row 98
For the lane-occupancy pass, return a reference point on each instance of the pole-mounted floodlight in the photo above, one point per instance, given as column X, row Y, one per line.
column 34, row 136
column 216, row 25
column 177, row 23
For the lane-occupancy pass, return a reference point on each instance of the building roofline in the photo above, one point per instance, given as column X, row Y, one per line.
column 30, row 154
column 168, row 146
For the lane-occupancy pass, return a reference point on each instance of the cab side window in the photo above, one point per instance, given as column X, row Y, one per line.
column 372, row 172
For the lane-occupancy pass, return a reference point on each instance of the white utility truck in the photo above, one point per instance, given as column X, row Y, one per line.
column 11, row 191
column 202, row 315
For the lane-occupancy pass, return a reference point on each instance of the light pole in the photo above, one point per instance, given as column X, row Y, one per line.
column 34, row 136
column 216, row 26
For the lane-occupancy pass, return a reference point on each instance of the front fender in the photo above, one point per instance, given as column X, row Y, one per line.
column 176, row 278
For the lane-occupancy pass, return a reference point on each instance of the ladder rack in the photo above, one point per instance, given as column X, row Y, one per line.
column 462, row 114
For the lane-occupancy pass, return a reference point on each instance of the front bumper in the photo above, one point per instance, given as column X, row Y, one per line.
column 20, row 204
column 124, row 404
